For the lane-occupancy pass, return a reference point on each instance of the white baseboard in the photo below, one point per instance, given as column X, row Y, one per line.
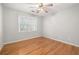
column 43, row 36
column 62, row 41
column 20, row 40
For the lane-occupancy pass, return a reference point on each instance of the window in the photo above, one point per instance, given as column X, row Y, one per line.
column 27, row 24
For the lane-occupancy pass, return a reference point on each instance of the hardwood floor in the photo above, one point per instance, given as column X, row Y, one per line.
column 39, row 46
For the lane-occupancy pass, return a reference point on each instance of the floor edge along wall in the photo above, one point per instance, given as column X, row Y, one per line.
column 62, row 41
column 44, row 37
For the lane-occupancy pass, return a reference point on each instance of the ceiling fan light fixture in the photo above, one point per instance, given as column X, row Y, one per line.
column 43, row 7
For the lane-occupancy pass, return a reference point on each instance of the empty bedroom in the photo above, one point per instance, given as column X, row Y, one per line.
column 39, row 28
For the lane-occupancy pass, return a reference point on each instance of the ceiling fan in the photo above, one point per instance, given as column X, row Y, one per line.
column 42, row 7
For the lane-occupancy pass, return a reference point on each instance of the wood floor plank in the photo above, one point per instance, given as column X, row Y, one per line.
column 39, row 46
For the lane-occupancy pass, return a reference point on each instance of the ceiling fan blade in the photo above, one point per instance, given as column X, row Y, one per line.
column 41, row 5
column 38, row 11
column 49, row 4
column 46, row 11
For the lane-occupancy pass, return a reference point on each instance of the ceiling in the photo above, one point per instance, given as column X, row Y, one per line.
column 28, row 7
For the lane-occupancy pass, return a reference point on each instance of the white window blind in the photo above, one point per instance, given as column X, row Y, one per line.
column 27, row 24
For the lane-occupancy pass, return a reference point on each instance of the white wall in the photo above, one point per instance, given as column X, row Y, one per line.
column 63, row 26
column 10, row 26
column 0, row 25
